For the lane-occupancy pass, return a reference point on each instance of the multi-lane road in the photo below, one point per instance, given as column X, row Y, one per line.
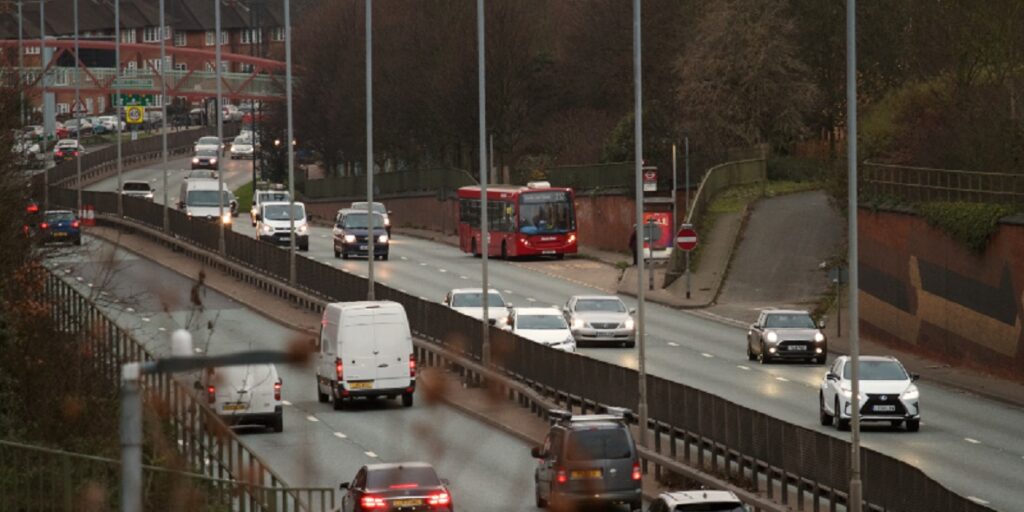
column 969, row 443
column 320, row 447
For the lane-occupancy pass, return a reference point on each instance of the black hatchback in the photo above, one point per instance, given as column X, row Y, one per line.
column 403, row 486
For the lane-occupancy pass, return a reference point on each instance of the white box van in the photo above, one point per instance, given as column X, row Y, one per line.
column 245, row 395
column 365, row 350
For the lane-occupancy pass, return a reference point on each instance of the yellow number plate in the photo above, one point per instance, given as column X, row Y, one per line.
column 583, row 475
column 236, row 407
column 361, row 384
column 407, row 503
column 59, row 233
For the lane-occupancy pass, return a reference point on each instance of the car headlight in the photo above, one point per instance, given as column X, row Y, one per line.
column 578, row 323
column 772, row 337
column 911, row 393
column 226, row 218
column 213, row 160
column 303, row 229
column 268, row 229
column 819, row 337
column 149, row 195
column 349, row 239
column 387, row 221
column 630, row 323
column 382, row 239
column 195, row 160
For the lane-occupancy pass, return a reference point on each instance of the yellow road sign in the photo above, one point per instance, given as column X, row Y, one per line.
column 134, row 114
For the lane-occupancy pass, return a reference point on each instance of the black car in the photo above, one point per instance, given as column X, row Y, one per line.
column 587, row 460
column 206, row 159
column 403, row 486
column 351, row 229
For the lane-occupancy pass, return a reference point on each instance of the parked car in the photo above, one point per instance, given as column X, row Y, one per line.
column 206, row 158
column 697, row 501
column 73, row 126
column 469, row 301
column 399, row 487
column 29, row 152
column 786, row 335
column 140, row 189
column 365, row 350
column 377, row 208
column 245, row 395
column 545, row 326
column 887, row 393
column 109, row 123
column 351, row 232
column 97, row 125
column 274, row 224
column 33, row 132
column 600, row 320
column 67, row 149
column 587, row 460
column 60, row 226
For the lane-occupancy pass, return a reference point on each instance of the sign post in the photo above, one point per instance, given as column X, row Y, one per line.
column 686, row 241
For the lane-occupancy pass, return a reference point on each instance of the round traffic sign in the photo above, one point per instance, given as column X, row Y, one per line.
column 686, row 239
column 134, row 114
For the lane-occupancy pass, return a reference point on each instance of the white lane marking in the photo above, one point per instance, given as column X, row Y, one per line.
column 286, row 402
column 531, row 299
column 744, row 368
column 129, row 309
column 339, row 435
column 977, row 500
column 79, row 279
column 323, row 236
column 673, row 344
column 423, row 298
column 145, row 319
column 402, row 290
column 463, row 277
column 197, row 350
column 422, row 264
column 508, row 291
column 371, row 455
column 441, row 270
column 972, row 440
column 404, row 258
column 312, row 419
column 161, row 329
column 90, row 285
column 705, row 354
column 781, row 379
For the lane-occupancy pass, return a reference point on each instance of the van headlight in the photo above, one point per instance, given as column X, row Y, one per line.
column 195, row 160
column 382, row 239
column 350, row 239
column 303, row 229
column 226, row 218
column 819, row 337
column 213, row 160
column 387, row 221
column 772, row 337
column 268, row 229
column 911, row 393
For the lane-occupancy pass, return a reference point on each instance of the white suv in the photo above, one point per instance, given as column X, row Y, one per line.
column 701, row 500
column 887, row 393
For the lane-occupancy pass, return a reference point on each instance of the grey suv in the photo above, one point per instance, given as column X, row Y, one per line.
column 585, row 460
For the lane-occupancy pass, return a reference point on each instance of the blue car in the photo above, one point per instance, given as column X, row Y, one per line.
column 60, row 226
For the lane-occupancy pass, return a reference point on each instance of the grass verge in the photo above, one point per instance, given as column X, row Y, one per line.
column 244, row 196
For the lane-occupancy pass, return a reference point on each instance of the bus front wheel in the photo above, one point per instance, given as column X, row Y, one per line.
column 473, row 249
column 504, row 251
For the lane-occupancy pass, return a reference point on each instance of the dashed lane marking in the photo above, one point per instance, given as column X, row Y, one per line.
column 508, row 291
column 972, row 440
column 705, row 354
column 371, row 455
column 145, row 319
column 673, row 344
column 442, row 270
column 463, row 277
column 130, row 309
column 744, row 368
column 781, row 379
column 161, row 329
column 422, row 264
column 339, row 435
column 531, row 299
column 312, row 419
column 977, row 500
column 404, row 258
column 286, row 402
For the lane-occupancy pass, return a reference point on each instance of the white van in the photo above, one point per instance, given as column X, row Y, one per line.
column 274, row 224
column 365, row 350
column 245, row 395
column 199, row 200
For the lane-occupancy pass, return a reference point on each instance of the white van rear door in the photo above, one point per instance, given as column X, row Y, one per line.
column 394, row 347
column 243, row 389
column 359, row 351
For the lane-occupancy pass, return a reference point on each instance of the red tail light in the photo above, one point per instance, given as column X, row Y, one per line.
column 412, row 365
column 441, row 499
column 339, row 368
column 60, row 153
column 637, row 474
column 277, row 390
column 44, row 225
column 561, row 477
column 211, row 394
column 32, row 208
column 76, row 153
column 75, row 224
column 372, row 502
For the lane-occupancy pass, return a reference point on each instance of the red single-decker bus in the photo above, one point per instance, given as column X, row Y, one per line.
column 537, row 219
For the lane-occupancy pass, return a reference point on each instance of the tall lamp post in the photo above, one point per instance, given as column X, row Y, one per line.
column 220, row 131
column 371, row 253
column 856, row 491
column 75, row 115
column 118, row 111
column 163, row 108
column 638, row 135
column 485, row 239
column 291, row 137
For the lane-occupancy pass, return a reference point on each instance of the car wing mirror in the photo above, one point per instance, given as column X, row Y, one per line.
column 344, row 486
column 821, row 323
column 537, row 452
column 197, row 385
column 632, row 311
column 831, row 376
column 914, row 377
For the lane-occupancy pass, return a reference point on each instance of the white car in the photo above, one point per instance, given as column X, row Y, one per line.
column 700, row 500
column 887, row 393
column 30, row 152
column 469, row 301
column 242, row 147
column 208, row 142
column 245, row 395
column 600, row 320
column 543, row 325
column 140, row 189
column 109, row 123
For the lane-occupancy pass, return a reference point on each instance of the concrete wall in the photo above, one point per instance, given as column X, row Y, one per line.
column 919, row 287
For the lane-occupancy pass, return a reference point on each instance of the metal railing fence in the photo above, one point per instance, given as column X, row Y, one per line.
column 923, row 184
column 420, row 180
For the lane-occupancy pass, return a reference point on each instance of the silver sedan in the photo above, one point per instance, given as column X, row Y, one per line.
column 600, row 320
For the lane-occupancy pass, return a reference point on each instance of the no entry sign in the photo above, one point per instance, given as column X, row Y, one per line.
column 686, row 239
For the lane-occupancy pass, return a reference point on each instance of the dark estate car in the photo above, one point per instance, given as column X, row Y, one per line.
column 206, row 159
column 351, row 229
column 403, row 486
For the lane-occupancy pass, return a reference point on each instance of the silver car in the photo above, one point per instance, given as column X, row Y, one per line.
column 600, row 320
column 782, row 334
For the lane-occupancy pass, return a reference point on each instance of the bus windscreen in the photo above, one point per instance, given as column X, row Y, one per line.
column 546, row 213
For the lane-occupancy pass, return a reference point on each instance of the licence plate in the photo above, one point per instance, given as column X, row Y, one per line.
column 796, row 348
column 361, row 384
column 884, row 408
column 585, row 475
column 236, row 407
column 407, row 503
column 59, row 234
column 363, row 247
column 547, row 252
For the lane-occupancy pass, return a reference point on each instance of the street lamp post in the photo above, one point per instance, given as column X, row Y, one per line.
column 856, row 491
column 163, row 109
column 42, row 104
column 21, row 69
column 75, row 116
column 371, row 253
column 638, row 135
column 485, row 242
column 118, row 111
column 291, row 137
column 220, row 131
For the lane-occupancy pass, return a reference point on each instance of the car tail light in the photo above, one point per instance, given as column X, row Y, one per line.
column 637, row 474
column 44, row 226
column 340, row 369
column 372, row 502
column 75, row 224
column 60, row 153
column 32, row 208
column 76, row 153
column 211, row 394
column 277, row 390
column 412, row 365
column 441, row 499
column 561, row 477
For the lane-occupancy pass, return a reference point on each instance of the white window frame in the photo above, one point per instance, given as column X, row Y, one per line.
column 180, row 38
column 151, row 35
column 167, row 33
column 181, row 66
column 252, row 36
column 32, row 50
column 128, row 36
column 210, row 37
column 63, row 108
column 277, row 34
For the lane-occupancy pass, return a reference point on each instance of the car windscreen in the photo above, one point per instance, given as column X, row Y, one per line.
column 475, row 300
column 59, row 216
column 137, row 187
column 602, row 443
column 280, row 212
column 606, row 305
column 877, row 370
column 242, row 139
column 540, row 322
column 717, row 506
column 798, row 321
column 360, row 221
column 207, row 153
column 207, row 198
column 400, row 477
column 208, row 141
